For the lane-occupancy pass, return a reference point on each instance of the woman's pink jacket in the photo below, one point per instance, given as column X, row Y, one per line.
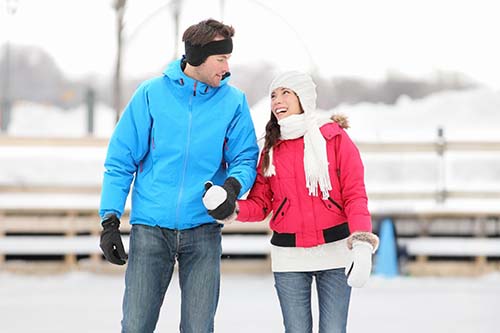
column 310, row 219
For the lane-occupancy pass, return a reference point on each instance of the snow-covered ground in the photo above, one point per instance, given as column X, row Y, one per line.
column 86, row 302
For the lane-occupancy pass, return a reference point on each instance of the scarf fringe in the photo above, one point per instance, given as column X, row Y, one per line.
column 323, row 183
column 271, row 170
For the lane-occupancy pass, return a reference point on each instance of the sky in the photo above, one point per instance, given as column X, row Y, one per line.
column 366, row 39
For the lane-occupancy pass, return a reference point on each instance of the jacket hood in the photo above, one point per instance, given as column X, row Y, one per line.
column 326, row 118
column 331, row 129
column 341, row 120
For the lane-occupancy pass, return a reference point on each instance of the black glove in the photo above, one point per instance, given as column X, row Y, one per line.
column 111, row 241
column 220, row 201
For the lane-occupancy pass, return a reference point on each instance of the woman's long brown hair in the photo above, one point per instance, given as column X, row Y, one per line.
column 272, row 135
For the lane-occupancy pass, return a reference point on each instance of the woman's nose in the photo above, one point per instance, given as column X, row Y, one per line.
column 275, row 105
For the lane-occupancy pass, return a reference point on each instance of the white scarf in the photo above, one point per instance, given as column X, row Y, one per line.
column 315, row 155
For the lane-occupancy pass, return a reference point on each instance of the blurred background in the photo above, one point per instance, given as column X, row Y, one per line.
column 418, row 80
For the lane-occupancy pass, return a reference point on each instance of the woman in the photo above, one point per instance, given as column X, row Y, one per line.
column 310, row 176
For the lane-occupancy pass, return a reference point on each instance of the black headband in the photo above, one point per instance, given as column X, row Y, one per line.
column 197, row 54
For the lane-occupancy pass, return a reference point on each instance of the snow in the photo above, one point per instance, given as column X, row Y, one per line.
column 466, row 115
column 31, row 119
column 86, row 302
column 469, row 115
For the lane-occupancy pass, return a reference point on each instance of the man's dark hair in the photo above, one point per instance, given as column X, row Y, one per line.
column 206, row 31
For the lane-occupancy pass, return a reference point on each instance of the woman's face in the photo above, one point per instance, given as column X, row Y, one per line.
column 284, row 103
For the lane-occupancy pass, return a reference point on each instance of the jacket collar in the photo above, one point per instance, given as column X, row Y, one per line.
column 330, row 130
column 175, row 73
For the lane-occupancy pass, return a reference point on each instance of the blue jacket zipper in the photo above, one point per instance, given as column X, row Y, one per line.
column 184, row 168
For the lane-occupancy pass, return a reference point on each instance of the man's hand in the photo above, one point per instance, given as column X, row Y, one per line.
column 111, row 241
column 220, row 201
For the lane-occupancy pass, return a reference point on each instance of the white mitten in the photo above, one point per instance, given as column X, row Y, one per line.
column 362, row 244
column 214, row 197
column 358, row 271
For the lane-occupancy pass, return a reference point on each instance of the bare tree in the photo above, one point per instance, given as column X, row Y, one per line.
column 119, row 6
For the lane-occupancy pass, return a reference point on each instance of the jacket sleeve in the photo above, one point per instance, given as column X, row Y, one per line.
column 241, row 150
column 127, row 147
column 258, row 204
column 352, row 184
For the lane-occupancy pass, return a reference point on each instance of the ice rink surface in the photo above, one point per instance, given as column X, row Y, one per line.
column 87, row 302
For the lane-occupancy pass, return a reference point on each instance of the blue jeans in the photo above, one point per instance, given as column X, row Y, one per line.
column 153, row 252
column 294, row 293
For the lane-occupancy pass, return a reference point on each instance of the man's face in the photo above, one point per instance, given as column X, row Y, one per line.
column 213, row 69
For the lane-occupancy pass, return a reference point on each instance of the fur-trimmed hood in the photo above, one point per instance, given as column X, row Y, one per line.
column 326, row 117
column 341, row 119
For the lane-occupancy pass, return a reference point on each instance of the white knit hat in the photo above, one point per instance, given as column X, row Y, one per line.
column 302, row 84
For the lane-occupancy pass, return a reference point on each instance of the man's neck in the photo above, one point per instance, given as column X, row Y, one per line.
column 191, row 72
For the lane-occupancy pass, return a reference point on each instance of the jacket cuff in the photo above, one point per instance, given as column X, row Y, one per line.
column 362, row 236
column 108, row 213
column 242, row 211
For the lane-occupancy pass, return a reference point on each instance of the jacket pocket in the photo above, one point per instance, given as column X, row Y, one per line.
column 280, row 211
column 333, row 205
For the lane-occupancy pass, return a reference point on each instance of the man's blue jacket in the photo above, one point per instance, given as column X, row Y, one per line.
column 174, row 135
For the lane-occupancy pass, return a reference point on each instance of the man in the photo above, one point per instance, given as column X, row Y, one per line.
column 178, row 132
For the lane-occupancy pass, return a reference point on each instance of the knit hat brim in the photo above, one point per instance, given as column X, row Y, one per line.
column 302, row 84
